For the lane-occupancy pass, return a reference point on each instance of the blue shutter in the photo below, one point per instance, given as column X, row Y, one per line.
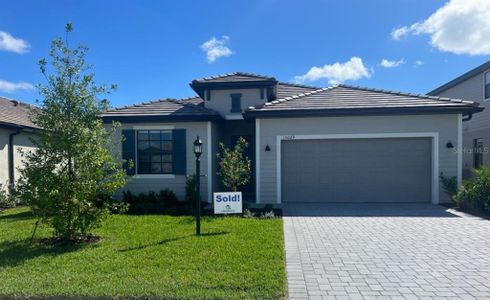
column 179, row 152
column 128, row 150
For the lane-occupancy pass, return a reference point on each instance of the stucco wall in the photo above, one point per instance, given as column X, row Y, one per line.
column 21, row 143
column 221, row 100
column 176, row 183
column 445, row 125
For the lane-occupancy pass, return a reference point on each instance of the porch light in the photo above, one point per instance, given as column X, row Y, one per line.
column 198, row 147
column 449, row 145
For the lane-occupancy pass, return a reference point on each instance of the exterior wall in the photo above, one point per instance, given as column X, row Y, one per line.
column 268, row 129
column 479, row 126
column 143, row 183
column 21, row 143
column 221, row 100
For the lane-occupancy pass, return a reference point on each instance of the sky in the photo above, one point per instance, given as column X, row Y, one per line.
column 154, row 49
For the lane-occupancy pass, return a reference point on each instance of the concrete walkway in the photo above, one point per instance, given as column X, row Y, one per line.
column 385, row 251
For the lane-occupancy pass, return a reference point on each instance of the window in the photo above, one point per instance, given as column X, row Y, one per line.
column 154, row 154
column 478, row 153
column 236, row 105
column 487, row 85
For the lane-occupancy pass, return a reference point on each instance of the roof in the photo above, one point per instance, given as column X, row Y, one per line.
column 346, row 100
column 15, row 114
column 191, row 108
column 234, row 77
column 163, row 109
column 461, row 78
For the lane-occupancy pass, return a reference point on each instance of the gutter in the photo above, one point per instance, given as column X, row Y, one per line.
column 11, row 157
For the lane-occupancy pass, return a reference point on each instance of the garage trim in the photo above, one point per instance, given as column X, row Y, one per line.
column 435, row 152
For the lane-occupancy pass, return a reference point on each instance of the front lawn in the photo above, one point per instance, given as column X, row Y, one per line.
column 146, row 256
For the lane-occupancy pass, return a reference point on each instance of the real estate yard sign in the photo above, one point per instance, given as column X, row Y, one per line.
column 228, row 203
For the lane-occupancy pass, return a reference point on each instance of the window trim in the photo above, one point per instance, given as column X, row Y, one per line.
column 136, row 164
column 485, row 85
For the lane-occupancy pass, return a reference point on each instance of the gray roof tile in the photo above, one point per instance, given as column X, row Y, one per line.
column 15, row 113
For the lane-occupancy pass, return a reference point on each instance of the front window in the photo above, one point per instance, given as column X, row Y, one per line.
column 487, row 85
column 154, row 152
column 478, row 153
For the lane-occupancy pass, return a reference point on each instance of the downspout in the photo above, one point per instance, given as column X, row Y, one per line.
column 11, row 157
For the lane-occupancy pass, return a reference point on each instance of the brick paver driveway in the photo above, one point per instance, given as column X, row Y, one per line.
column 409, row 251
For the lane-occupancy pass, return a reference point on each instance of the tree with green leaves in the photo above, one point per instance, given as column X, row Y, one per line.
column 69, row 180
column 234, row 167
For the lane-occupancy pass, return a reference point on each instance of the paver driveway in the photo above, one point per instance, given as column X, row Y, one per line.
column 392, row 251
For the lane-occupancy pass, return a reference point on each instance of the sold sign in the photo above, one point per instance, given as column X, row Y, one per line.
column 228, row 203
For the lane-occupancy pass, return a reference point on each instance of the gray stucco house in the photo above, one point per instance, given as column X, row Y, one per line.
column 307, row 144
column 473, row 85
column 16, row 131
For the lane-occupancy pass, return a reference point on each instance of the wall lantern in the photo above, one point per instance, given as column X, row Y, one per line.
column 449, row 145
column 267, row 148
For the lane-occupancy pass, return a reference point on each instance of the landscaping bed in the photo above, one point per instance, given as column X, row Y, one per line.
column 146, row 256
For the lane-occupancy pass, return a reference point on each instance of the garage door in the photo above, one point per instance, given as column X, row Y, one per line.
column 356, row 170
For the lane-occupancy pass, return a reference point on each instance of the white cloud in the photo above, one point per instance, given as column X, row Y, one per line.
column 12, row 87
column 460, row 27
column 419, row 62
column 216, row 48
column 13, row 44
column 385, row 63
column 353, row 69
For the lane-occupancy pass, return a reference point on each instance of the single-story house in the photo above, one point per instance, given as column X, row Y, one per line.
column 16, row 131
column 307, row 144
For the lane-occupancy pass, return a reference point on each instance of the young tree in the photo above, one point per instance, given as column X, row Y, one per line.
column 69, row 179
column 234, row 167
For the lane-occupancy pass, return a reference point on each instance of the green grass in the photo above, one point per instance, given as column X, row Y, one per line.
column 146, row 256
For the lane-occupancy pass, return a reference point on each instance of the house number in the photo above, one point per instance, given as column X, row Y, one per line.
column 289, row 137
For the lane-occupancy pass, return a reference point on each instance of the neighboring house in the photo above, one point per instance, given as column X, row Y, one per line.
column 473, row 85
column 16, row 129
column 307, row 144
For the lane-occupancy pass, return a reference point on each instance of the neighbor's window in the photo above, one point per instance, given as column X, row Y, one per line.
column 487, row 85
column 154, row 152
column 478, row 153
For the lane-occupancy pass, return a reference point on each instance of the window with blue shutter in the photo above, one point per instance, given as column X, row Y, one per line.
column 128, row 150
column 155, row 151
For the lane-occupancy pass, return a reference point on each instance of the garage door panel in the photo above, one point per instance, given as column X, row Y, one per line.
column 356, row 170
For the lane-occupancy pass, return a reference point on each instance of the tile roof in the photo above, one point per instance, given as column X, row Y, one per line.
column 343, row 97
column 234, row 77
column 185, row 108
column 15, row 113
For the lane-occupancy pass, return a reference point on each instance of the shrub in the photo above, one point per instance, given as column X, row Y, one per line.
column 234, row 166
column 151, row 202
column 450, row 185
column 247, row 213
column 6, row 200
column 475, row 194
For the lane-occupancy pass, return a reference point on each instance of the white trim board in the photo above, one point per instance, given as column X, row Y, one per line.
column 435, row 152
column 257, row 160
column 209, row 163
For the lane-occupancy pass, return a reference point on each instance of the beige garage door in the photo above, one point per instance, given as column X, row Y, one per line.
column 356, row 170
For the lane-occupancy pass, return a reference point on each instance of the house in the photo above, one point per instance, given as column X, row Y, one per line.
column 474, row 85
column 16, row 130
column 307, row 144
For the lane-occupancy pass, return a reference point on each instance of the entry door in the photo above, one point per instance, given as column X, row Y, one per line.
column 357, row 170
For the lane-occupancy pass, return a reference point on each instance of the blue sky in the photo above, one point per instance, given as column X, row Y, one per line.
column 153, row 49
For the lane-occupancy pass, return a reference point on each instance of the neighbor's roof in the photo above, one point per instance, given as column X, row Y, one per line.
column 15, row 114
column 164, row 109
column 458, row 80
column 353, row 100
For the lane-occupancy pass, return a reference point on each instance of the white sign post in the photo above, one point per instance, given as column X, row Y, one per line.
column 228, row 203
